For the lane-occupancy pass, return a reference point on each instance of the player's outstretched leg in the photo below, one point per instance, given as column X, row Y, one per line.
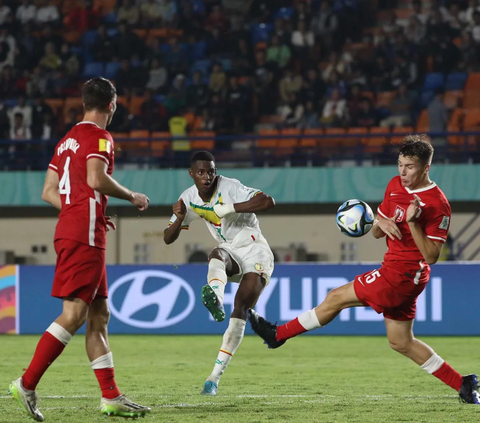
column 247, row 295
column 112, row 403
column 336, row 300
column 213, row 292
column 51, row 345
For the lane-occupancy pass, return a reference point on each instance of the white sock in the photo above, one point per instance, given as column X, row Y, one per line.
column 60, row 333
column 217, row 277
column 231, row 341
column 433, row 363
column 309, row 320
column 103, row 362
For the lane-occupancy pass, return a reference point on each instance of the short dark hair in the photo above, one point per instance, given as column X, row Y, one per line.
column 416, row 146
column 202, row 156
column 97, row 94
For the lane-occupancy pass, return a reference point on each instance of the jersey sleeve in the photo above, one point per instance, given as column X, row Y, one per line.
column 189, row 217
column 384, row 207
column 54, row 162
column 240, row 193
column 438, row 222
column 100, row 146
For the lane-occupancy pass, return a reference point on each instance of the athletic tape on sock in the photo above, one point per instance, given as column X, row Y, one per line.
column 103, row 362
column 216, row 271
column 233, row 335
column 60, row 333
column 433, row 363
column 309, row 320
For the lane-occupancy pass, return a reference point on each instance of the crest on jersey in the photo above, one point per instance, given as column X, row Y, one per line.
column 444, row 223
column 400, row 212
column 104, row 145
column 259, row 267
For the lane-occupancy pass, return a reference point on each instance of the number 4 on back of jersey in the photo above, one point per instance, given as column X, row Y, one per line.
column 64, row 185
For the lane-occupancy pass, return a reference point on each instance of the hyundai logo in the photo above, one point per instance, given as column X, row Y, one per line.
column 165, row 298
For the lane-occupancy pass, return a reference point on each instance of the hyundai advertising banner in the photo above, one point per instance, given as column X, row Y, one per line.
column 166, row 299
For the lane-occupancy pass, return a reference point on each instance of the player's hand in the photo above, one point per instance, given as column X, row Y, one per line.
column 389, row 227
column 180, row 210
column 140, row 200
column 222, row 210
column 414, row 210
column 110, row 224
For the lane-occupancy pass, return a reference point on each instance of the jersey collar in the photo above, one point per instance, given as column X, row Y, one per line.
column 87, row 121
column 414, row 191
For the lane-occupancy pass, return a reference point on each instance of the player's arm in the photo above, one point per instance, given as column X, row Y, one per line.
column 258, row 203
column 50, row 192
column 100, row 181
column 429, row 248
column 171, row 233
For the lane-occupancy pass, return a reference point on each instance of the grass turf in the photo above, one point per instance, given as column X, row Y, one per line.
column 309, row 379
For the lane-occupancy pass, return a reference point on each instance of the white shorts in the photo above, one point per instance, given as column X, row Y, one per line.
column 252, row 253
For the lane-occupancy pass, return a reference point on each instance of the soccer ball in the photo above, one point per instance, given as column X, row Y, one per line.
column 355, row 218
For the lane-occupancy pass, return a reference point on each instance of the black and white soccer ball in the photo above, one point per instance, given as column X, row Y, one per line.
column 355, row 218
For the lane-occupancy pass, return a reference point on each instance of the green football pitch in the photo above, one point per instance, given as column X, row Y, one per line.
column 309, row 379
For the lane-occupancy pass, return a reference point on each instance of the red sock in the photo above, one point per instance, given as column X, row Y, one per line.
column 106, row 380
column 48, row 349
column 449, row 376
column 289, row 330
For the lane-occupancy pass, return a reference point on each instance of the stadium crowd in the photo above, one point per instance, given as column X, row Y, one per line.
column 226, row 66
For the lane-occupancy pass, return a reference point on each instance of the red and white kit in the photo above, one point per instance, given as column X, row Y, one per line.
column 80, row 236
column 393, row 289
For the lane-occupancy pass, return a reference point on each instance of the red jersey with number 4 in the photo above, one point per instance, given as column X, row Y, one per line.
column 434, row 218
column 82, row 217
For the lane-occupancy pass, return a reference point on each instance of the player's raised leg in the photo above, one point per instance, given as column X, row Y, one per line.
column 219, row 264
column 336, row 300
column 113, row 403
column 246, row 297
column 401, row 339
column 50, row 346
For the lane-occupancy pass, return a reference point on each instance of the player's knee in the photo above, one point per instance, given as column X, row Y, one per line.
column 400, row 345
column 335, row 298
column 216, row 254
column 75, row 318
column 99, row 319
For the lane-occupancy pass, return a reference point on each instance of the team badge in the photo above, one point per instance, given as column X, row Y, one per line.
column 259, row 267
column 400, row 213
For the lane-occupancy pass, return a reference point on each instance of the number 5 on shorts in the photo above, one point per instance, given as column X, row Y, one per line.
column 372, row 276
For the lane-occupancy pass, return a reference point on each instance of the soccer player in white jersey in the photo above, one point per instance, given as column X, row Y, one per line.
column 243, row 254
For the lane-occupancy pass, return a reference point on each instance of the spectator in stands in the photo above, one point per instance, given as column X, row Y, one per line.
column 7, row 48
column 302, row 41
column 310, row 118
column 438, row 118
column 468, row 52
column 129, row 13
column 50, row 61
column 168, row 9
column 103, row 49
column 26, row 12
column 157, row 77
column 400, row 109
column 127, row 43
column 291, row 112
column 4, row 12
column 418, row 14
column 177, row 59
column 380, row 76
column 58, row 83
column 37, row 85
column 278, row 53
column 151, row 14
column 236, row 99
column 325, row 24
column 313, row 88
column 21, row 108
column 177, row 97
column 70, row 120
column 205, row 122
column 83, row 17
column 70, row 61
column 48, row 36
column 354, row 99
column 238, row 32
column 403, row 72
column 28, row 45
column 436, row 26
column 291, row 83
column 390, row 26
column 466, row 16
column 334, row 111
column 4, row 122
column 216, row 19
column 366, row 115
column 243, row 59
column 46, row 13
column 474, row 27
column 153, row 115
column 47, row 128
column 197, row 92
column 217, row 44
column 19, row 131
column 218, row 112
column 39, row 110
column 121, row 120
column 218, row 80
column 123, row 81
column 281, row 32
column 263, row 83
column 454, row 21
column 191, row 23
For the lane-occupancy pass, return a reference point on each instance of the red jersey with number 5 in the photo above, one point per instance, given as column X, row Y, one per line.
column 82, row 217
column 434, row 218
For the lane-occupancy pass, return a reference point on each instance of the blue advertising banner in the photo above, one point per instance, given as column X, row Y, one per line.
column 165, row 299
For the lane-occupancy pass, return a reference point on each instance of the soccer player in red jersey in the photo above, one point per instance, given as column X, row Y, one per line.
column 415, row 217
column 78, row 183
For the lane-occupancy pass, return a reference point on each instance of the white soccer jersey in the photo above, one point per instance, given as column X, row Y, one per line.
column 228, row 191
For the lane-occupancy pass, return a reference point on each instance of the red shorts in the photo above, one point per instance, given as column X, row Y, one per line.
column 80, row 271
column 391, row 292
